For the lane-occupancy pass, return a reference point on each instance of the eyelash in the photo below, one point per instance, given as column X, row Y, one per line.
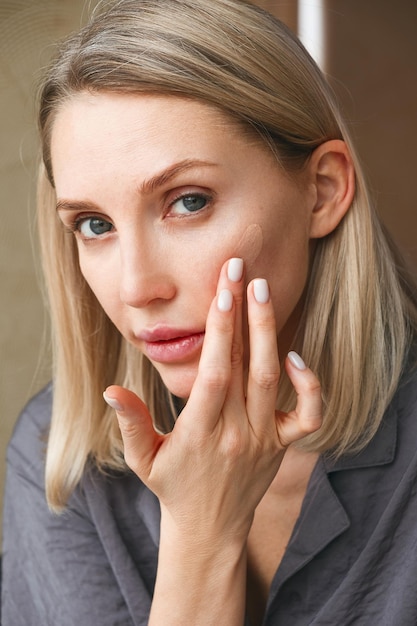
column 79, row 220
column 76, row 224
column 196, row 195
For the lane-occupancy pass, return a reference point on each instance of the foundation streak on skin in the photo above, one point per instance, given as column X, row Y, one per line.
column 250, row 245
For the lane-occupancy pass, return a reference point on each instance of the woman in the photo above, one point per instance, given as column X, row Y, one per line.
column 202, row 214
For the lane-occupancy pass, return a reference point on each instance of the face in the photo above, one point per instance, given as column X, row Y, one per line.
column 160, row 192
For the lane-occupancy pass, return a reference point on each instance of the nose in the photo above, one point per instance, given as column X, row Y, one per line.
column 145, row 277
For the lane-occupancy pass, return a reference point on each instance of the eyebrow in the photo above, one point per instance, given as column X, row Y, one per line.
column 146, row 187
column 76, row 205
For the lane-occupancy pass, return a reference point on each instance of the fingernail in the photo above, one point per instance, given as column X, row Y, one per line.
column 115, row 404
column 225, row 300
column 235, row 270
column 261, row 290
column 297, row 361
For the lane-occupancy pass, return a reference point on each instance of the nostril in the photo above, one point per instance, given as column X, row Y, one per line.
column 140, row 291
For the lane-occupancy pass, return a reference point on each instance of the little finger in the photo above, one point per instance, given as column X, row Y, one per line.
column 308, row 413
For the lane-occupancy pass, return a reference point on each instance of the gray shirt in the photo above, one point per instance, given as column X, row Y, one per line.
column 352, row 557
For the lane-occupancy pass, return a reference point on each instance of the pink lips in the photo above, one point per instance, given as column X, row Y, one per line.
column 167, row 345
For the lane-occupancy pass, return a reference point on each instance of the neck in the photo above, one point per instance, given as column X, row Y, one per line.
column 294, row 473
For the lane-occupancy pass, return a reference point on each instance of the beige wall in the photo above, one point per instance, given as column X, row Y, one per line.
column 27, row 28
column 371, row 49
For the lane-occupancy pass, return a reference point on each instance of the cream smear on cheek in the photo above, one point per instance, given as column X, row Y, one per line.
column 250, row 245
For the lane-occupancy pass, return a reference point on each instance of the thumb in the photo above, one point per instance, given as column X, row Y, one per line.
column 140, row 440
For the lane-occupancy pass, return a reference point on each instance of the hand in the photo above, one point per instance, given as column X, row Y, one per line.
column 212, row 470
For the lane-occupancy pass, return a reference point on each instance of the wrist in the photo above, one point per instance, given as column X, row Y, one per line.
column 206, row 538
column 201, row 576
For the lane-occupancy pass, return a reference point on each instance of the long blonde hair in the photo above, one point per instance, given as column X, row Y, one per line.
column 360, row 312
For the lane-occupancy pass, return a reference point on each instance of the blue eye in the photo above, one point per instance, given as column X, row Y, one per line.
column 93, row 227
column 189, row 204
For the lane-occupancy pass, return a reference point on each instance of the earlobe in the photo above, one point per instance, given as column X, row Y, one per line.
column 332, row 172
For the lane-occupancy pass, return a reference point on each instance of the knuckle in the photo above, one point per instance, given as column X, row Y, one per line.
column 266, row 378
column 128, row 428
column 266, row 322
column 313, row 387
column 223, row 325
column 232, row 444
column 215, row 378
column 311, row 424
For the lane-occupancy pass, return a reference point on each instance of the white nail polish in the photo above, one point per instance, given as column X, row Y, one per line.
column 235, row 270
column 225, row 300
column 113, row 403
column 261, row 290
column 297, row 361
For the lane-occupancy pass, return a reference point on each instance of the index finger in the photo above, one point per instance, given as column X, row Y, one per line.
column 214, row 371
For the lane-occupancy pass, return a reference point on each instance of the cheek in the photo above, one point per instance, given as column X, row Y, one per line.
column 284, row 262
column 246, row 245
column 288, row 280
column 250, row 245
column 198, row 262
column 197, row 280
column 102, row 282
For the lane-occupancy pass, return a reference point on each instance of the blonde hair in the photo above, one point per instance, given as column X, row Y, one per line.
column 359, row 315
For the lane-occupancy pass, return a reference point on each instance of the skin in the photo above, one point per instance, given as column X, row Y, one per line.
column 151, row 268
column 157, row 264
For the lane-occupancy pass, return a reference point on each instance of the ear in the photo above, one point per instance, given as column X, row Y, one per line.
column 333, row 175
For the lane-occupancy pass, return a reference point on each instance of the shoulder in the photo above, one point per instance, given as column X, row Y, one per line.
column 54, row 564
column 28, row 442
column 404, row 406
column 396, row 436
column 406, row 396
column 38, row 409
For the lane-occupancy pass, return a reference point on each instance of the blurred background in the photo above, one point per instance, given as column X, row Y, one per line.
column 368, row 49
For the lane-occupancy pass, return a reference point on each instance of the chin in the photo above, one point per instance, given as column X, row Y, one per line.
column 180, row 384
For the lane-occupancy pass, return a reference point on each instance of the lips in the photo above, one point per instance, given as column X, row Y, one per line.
column 168, row 345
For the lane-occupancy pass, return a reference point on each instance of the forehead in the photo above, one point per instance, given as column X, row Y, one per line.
column 149, row 114
column 112, row 131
